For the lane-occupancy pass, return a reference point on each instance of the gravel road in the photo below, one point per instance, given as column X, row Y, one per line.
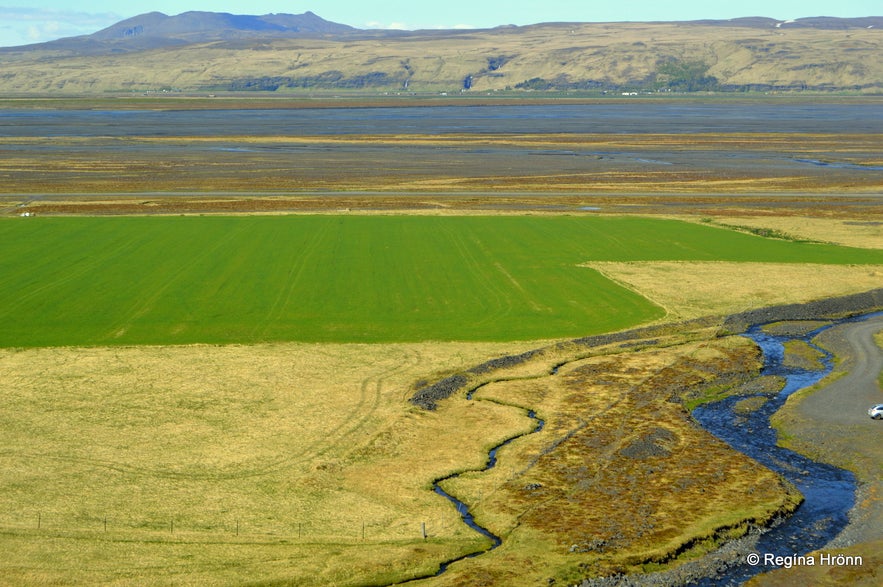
column 832, row 422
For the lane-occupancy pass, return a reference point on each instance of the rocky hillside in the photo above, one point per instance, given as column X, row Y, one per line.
column 221, row 52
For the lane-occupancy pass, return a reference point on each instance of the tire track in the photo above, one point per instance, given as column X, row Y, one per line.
column 370, row 396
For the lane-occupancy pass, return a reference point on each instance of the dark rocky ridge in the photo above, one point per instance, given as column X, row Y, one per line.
column 428, row 396
column 155, row 30
column 205, row 26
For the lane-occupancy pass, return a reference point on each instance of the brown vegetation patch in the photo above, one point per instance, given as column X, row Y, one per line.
column 424, row 164
column 619, row 477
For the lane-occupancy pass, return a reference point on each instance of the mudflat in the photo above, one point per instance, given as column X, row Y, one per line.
column 621, row 147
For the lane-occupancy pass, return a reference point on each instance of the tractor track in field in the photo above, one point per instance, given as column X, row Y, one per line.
column 355, row 419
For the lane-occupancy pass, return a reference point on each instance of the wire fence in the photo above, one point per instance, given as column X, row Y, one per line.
column 181, row 528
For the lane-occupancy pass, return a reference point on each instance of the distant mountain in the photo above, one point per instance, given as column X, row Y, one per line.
column 155, row 29
column 815, row 22
column 197, row 27
column 207, row 51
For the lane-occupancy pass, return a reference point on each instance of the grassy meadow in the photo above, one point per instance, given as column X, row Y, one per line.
column 235, row 279
column 223, row 465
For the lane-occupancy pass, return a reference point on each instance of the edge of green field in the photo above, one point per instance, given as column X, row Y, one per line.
column 347, row 278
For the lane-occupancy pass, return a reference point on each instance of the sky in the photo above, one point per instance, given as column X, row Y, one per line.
column 45, row 20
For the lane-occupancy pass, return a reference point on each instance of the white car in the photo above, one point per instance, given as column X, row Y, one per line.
column 876, row 412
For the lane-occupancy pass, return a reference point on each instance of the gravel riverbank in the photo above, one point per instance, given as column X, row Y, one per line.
column 831, row 423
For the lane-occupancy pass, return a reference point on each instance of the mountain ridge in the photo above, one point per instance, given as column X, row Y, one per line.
column 208, row 51
column 201, row 25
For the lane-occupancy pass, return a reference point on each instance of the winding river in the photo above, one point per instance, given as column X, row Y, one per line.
column 829, row 492
column 463, row 508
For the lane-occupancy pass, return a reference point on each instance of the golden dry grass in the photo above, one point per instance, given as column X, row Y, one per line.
column 693, row 289
column 221, row 464
column 855, row 232
column 298, row 448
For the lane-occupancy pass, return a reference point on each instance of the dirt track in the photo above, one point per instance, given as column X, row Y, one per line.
column 832, row 423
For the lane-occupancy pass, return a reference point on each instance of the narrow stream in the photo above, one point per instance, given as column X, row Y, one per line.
column 829, row 491
column 463, row 508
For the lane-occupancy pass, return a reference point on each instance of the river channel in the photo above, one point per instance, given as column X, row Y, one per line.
column 463, row 508
column 829, row 492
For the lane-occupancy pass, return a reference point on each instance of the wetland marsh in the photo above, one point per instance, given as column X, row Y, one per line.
column 645, row 146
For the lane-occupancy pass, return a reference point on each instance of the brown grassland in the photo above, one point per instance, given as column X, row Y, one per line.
column 603, row 489
column 304, row 464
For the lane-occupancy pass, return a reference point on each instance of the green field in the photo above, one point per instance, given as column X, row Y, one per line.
column 230, row 279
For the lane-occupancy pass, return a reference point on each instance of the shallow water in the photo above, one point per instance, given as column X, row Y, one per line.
column 841, row 165
column 829, row 491
column 613, row 117
column 208, row 150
